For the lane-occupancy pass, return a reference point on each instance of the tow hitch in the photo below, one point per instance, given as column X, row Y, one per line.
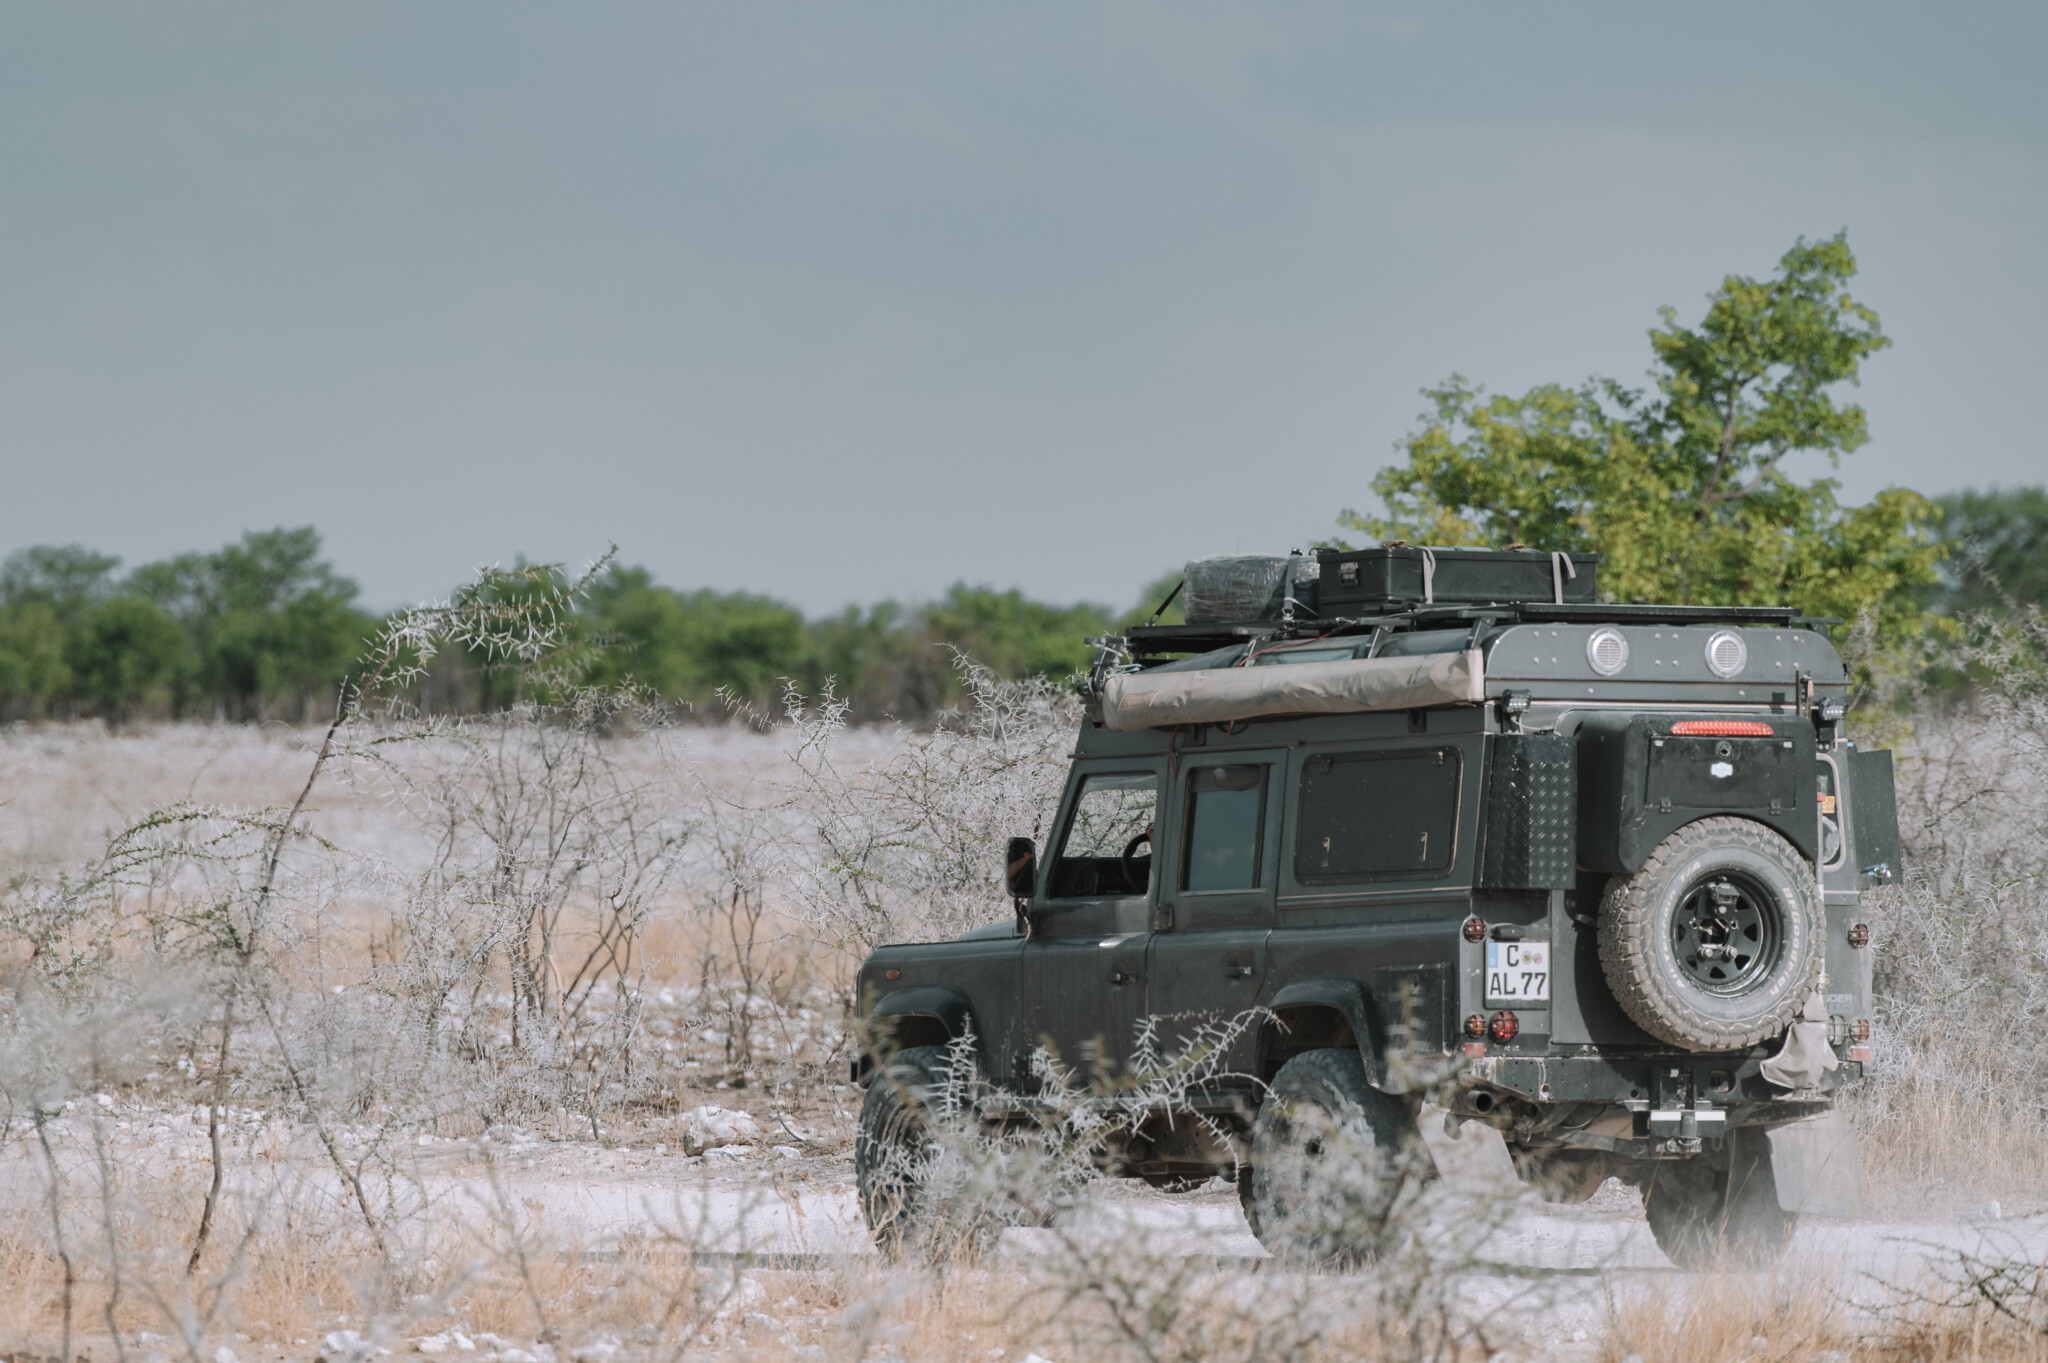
column 1701, row 1120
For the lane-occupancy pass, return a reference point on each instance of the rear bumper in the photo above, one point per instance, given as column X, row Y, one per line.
column 1655, row 1081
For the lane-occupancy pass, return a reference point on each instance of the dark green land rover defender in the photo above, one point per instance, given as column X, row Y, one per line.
column 1438, row 822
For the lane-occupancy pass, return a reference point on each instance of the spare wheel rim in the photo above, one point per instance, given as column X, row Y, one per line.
column 1727, row 934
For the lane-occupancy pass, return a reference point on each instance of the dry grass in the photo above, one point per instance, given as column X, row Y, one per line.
column 1803, row 1316
column 309, row 1271
column 1719, row 1318
column 1949, row 1139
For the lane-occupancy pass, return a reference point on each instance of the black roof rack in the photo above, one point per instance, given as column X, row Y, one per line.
column 1160, row 641
column 1596, row 612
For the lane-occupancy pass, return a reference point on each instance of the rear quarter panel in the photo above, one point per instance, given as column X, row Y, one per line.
column 1399, row 939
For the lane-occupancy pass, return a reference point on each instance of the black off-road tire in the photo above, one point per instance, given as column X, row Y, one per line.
column 1644, row 922
column 1329, row 1152
column 896, row 1143
column 1728, row 1217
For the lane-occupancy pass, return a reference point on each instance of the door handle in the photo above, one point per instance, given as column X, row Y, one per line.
column 1121, row 977
column 1237, row 972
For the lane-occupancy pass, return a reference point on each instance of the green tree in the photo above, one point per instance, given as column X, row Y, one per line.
column 1012, row 635
column 34, row 677
column 45, row 591
column 1685, row 491
column 122, row 655
column 1998, row 549
column 873, row 658
column 688, row 645
column 66, row 578
column 271, row 622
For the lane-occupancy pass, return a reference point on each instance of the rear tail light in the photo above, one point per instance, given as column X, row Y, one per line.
column 1859, row 936
column 1722, row 728
column 1503, row 1026
column 1861, row 1031
column 1475, row 931
column 1475, row 1026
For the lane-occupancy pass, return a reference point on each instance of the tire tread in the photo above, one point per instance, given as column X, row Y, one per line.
column 1334, row 1079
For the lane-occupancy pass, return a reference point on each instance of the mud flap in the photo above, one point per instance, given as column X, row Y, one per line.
column 1817, row 1166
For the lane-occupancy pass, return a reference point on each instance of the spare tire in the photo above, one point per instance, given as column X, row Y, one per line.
column 1716, row 943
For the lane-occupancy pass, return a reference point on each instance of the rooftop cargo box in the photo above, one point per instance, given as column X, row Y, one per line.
column 1372, row 581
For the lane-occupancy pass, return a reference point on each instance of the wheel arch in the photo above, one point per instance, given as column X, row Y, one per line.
column 923, row 1015
column 1318, row 1014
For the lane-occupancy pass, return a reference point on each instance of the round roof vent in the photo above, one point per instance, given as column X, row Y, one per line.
column 1727, row 654
column 1607, row 651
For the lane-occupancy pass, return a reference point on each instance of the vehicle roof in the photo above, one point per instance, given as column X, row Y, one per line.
column 1541, row 652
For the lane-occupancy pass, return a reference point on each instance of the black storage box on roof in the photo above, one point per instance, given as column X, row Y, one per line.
column 1364, row 581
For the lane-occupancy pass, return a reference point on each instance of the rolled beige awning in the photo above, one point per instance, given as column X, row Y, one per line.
column 1144, row 700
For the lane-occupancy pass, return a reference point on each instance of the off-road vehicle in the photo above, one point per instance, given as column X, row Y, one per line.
column 1437, row 822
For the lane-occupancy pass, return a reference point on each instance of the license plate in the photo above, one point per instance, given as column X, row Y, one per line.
column 1517, row 972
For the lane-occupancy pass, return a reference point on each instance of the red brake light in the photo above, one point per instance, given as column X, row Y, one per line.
column 1503, row 1027
column 1722, row 728
column 1475, row 931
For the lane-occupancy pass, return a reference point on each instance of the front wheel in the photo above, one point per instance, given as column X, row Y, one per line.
column 1329, row 1152
column 897, row 1145
column 1705, row 1216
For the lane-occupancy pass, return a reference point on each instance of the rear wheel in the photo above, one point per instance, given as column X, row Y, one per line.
column 1708, row 1217
column 1328, row 1157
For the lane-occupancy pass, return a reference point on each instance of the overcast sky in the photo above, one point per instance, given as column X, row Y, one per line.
column 839, row 302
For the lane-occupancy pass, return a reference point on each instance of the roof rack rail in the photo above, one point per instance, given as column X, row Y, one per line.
column 1161, row 641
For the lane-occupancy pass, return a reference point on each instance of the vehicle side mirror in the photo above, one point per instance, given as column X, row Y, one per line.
column 1020, row 868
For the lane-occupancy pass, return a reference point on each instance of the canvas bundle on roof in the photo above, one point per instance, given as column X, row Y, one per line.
column 1144, row 700
column 1248, row 587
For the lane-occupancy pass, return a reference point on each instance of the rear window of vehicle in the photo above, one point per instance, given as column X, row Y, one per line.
column 1375, row 816
column 1226, row 826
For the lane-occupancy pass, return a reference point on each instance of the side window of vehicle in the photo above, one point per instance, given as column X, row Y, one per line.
column 1376, row 816
column 1222, row 844
column 1107, row 849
